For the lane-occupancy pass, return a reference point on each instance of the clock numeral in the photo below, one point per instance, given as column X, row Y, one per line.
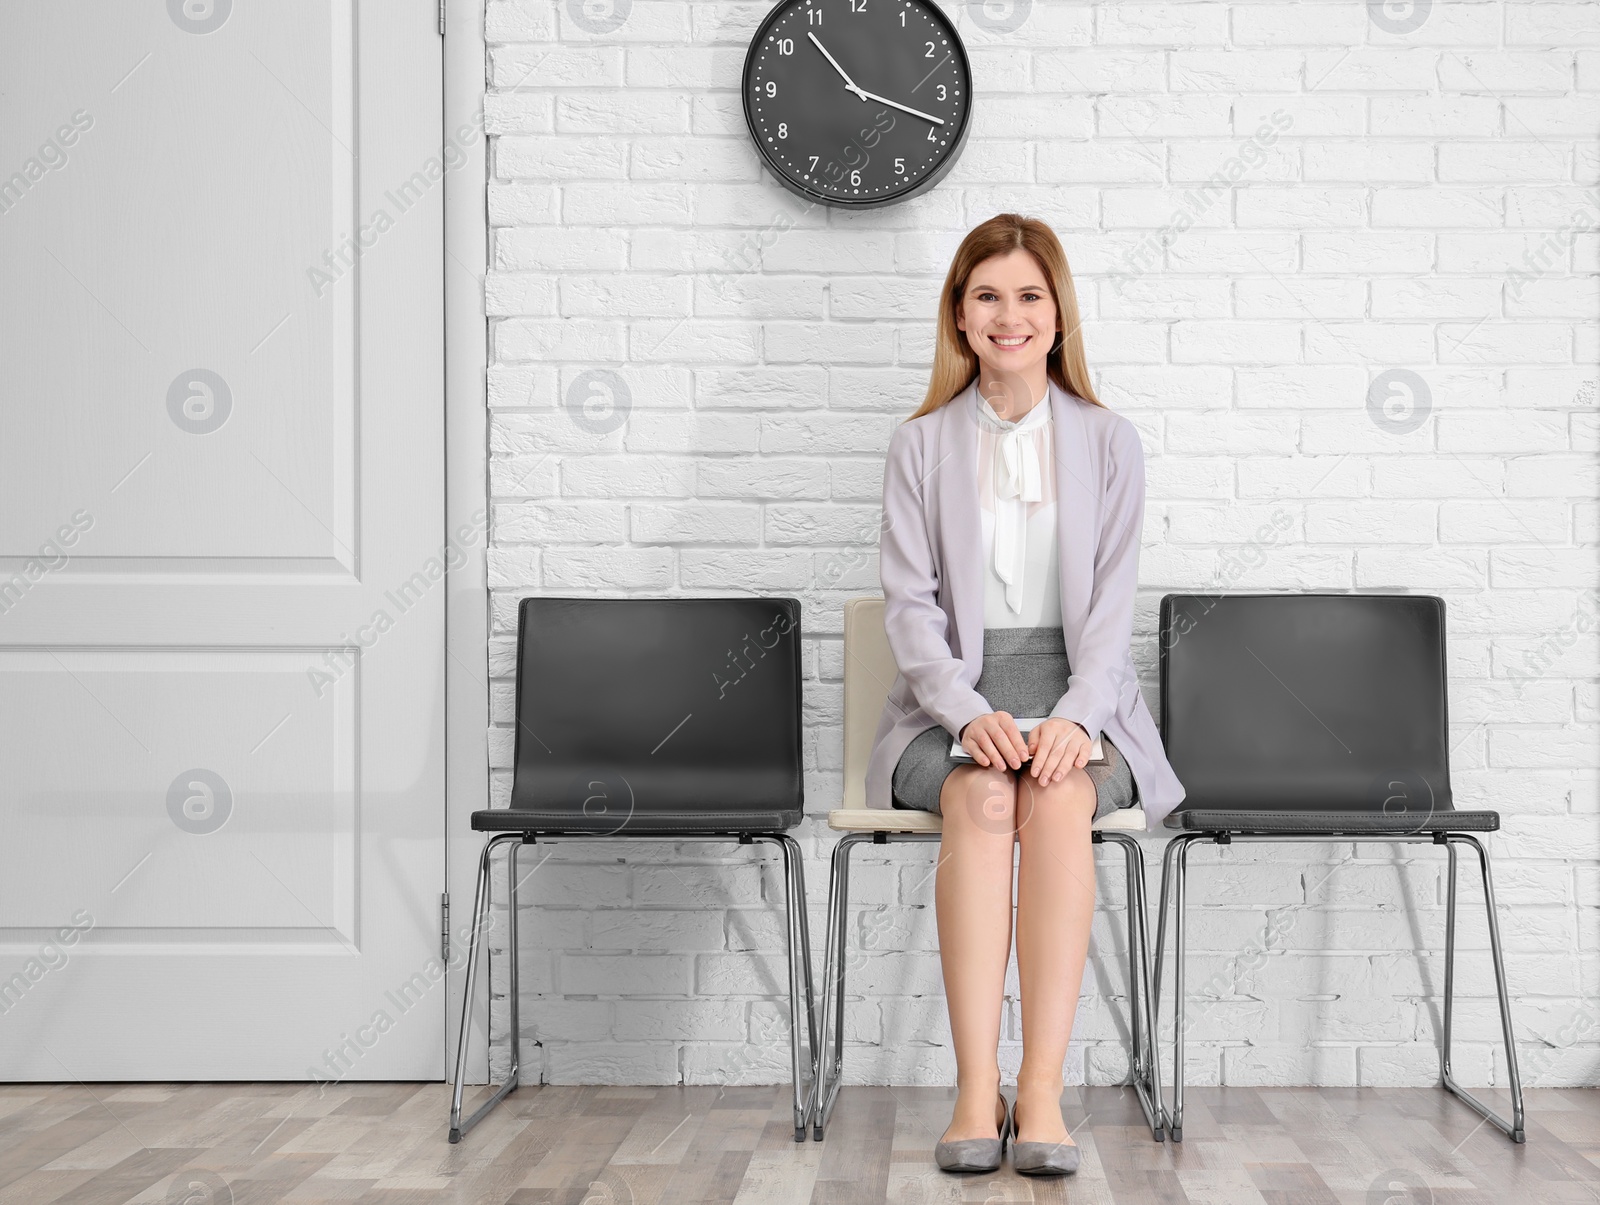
column 783, row 129
column 786, row 46
column 858, row 6
column 772, row 87
column 855, row 177
column 929, row 55
column 813, row 163
column 942, row 92
column 931, row 138
column 814, row 16
column 899, row 167
column 902, row 18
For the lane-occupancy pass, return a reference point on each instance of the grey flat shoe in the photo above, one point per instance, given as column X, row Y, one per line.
column 975, row 1154
column 1042, row 1158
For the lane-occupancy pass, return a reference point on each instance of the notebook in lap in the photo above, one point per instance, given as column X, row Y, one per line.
column 1097, row 755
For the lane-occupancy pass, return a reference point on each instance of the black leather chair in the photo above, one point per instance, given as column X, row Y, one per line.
column 677, row 719
column 1315, row 717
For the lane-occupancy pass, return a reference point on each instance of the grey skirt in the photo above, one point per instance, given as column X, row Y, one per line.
column 1025, row 672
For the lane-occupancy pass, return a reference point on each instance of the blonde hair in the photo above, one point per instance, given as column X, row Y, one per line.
column 955, row 364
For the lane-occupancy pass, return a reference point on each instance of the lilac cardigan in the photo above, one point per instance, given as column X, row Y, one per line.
column 931, row 568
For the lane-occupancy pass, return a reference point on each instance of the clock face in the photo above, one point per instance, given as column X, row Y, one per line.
column 858, row 102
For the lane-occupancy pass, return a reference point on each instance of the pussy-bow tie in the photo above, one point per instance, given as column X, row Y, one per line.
column 1017, row 475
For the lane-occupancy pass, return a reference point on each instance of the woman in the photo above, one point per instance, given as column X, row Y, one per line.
column 1013, row 507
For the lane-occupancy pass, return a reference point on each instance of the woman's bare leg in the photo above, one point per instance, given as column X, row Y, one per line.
column 972, row 899
column 1055, row 906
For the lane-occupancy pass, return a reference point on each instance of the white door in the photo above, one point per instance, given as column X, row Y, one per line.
column 221, row 540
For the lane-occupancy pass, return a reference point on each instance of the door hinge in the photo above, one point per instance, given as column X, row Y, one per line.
column 442, row 4
column 444, row 928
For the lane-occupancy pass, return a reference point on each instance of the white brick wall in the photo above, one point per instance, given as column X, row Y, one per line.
column 1421, row 201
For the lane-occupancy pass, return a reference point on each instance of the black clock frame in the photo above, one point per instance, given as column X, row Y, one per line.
column 799, row 188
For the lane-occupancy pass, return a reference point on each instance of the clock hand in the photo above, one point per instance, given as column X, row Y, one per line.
column 851, row 85
column 903, row 108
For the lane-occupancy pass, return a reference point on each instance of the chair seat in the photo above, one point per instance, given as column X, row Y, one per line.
column 510, row 820
column 910, row 820
column 1331, row 823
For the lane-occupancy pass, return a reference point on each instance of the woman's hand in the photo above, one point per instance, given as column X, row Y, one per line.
column 1057, row 746
column 995, row 739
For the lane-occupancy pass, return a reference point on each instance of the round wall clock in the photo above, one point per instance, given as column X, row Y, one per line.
column 858, row 102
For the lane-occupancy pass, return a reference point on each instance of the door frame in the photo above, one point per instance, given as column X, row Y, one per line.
column 466, row 338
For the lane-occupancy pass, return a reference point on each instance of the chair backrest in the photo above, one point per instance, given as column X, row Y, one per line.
column 659, row 704
column 869, row 673
column 1319, row 702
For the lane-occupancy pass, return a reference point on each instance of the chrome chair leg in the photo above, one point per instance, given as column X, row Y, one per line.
column 819, row 1052
column 513, row 951
column 1167, row 856
column 1513, row 1128
column 480, row 908
column 795, row 916
column 1174, row 862
column 1173, row 878
column 1178, row 926
column 1153, row 1059
column 829, row 1057
column 799, row 953
column 1145, row 1086
column 1449, row 962
column 794, row 990
column 1135, row 1008
column 830, row 1051
column 805, row 944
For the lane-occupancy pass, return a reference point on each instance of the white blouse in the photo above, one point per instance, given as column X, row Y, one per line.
column 1017, row 503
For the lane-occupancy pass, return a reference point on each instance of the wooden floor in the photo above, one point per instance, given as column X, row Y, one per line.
column 385, row 1144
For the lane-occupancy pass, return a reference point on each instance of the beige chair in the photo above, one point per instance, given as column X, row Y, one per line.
column 869, row 672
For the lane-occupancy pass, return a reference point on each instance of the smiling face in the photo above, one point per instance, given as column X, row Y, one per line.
column 1009, row 316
